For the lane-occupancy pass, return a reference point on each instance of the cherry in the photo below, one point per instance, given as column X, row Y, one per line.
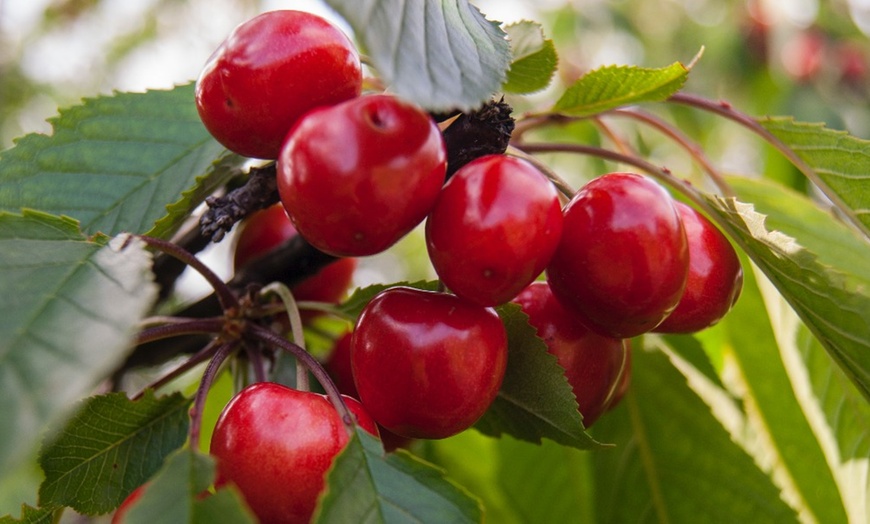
column 427, row 364
column 593, row 363
column 623, row 259
column 276, row 444
column 715, row 277
column 121, row 513
column 493, row 229
column 357, row 176
column 269, row 228
column 269, row 72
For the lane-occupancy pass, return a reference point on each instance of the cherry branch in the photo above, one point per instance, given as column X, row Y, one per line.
column 259, row 192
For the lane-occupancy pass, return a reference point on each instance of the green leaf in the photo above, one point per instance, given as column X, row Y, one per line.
column 840, row 161
column 353, row 306
column 68, row 310
column 535, row 400
column 441, row 55
column 834, row 304
column 610, row 87
column 109, row 448
column 673, row 461
column 31, row 515
column 115, row 163
column 534, row 58
column 175, row 494
column 365, row 485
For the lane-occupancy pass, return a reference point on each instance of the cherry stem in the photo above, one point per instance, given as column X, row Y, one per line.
column 257, row 362
column 292, row 310
column 564, row 188
column 182, row 326
column 197, row 358
column 208, row 377
column 311, row 364
column 226, row 297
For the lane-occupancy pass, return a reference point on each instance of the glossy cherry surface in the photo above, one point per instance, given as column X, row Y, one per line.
column 276, row 444
column 623, row 259
column 426, row 364
column 715, row 277
column 594, row 364
column 270, row 71
column 493, row 229
column 357, row 176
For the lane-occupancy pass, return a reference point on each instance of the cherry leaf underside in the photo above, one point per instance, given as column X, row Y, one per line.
column 831, row 300
column 441, row 55
column 534, row 58
column 840, row 162
column 115, row 163
column 535, row 400
column 365, row 485
column 68, row 311
column 610, row 87
column 110, row 447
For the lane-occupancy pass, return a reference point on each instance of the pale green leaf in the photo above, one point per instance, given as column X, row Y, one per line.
column 440, row 55
column 610, row 87
column 68, row 311
column 534, row 58
column 110, row 447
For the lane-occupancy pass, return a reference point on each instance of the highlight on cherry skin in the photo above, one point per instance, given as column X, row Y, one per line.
column 276, row 445
column 494, row 228
column 427, row 364
column 623, row 260
column 364, row 206
column 270, row 71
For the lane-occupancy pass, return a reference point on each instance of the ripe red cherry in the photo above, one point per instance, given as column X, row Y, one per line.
column 276, row 444
column 426, row 364
column 493, row 229
column 121, row 513
column 357, row 176
column 623, row 259
column 269, row 228
column 270, row 71
column 593, row 363
column 715, row 277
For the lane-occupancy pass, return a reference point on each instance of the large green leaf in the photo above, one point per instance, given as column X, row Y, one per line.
column 365, row 485
column 109, row 448
column 832, row 302
column 534, row 58
column 673, row 461
column 535, row 400
column 68, row 310
column 115, row 163
column 841, row 162
column 441, row 55
column 610, row 87
column 30, row 515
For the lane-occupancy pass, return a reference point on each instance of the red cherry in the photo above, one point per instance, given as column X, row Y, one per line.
column 426, row 364
column 358, row 176
column 121, row 513
column 270, row 71
column 276, row 444
column 593, row 363
column 493, row 229
column 623, row 259
column 715, row 277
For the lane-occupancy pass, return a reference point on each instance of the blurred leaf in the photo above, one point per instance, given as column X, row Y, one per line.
column 673, row 461
column 690, row 349
column 109, row 448
column 535, row 400
column 755, row 341
column 353, row 306
column 833, row 304
column 115, row 163
column 365, row 485
column 610, row 87
column 177, row 493
column 30, row 515
column 840, row 160
column 440, row 55
column 68, row 311
column 534, row 58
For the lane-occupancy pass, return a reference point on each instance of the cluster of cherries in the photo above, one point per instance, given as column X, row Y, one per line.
column 355, row 173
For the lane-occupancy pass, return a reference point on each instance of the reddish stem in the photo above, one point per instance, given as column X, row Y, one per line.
column 208, row 378
column 179, row 327
column 199, row 357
